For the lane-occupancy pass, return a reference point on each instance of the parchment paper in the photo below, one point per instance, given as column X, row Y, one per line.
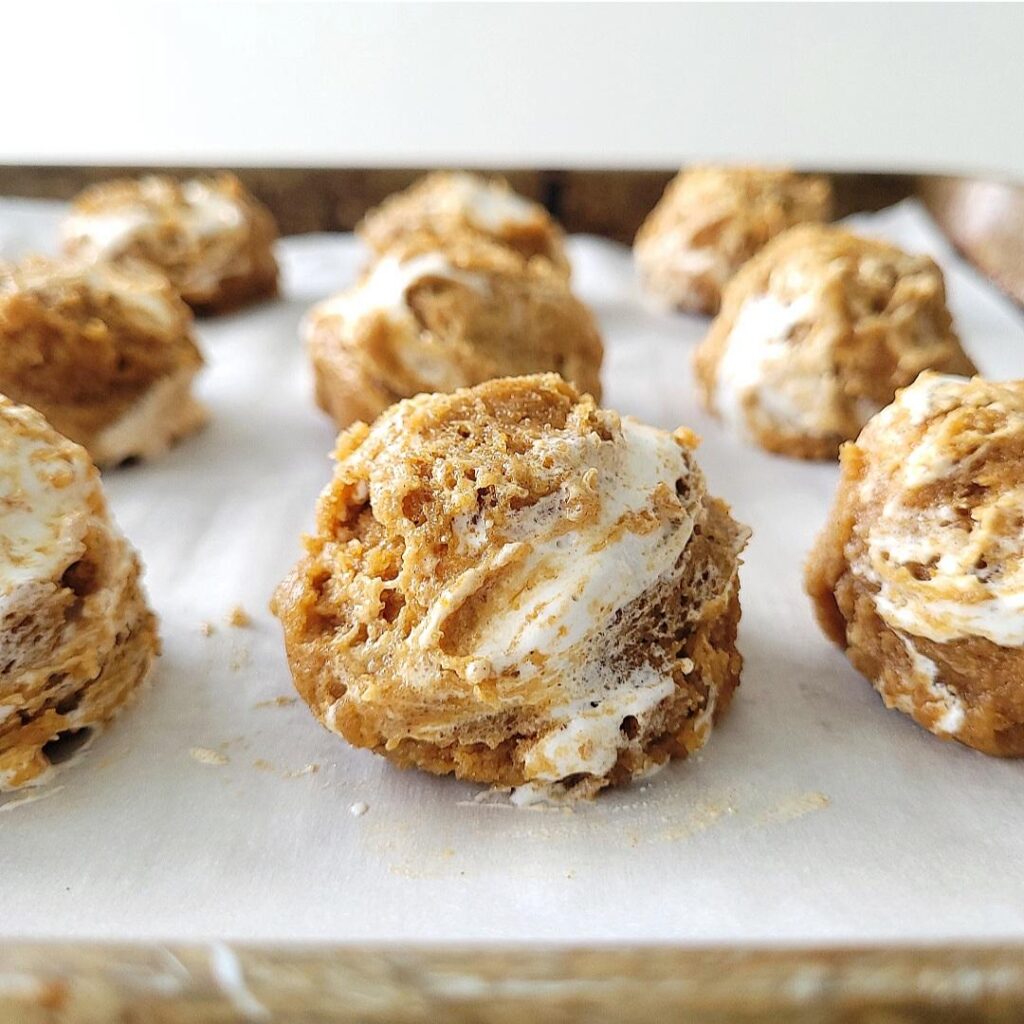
column 814, row 815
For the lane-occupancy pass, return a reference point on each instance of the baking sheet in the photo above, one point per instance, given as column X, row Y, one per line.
column 213, row 809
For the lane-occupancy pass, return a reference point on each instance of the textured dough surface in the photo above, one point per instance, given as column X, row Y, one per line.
column 106, row 353
column 816, row 334
column 919, row 574
column 437, row 318
column 209, row 235
column 448, row 205
column 77, row 637
column 514, row 586
column 711, row 220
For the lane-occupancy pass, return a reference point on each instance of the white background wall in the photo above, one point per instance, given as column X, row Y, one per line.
column 869, row 86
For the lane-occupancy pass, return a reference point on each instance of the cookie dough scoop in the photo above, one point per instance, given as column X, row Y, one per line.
column 452, row 204
column 428, row 317
column 919, row 574
column 514, row 586
column 105, row 352
column 209, row 235
column 817, row 333
column 77, row 638
column 711, row 220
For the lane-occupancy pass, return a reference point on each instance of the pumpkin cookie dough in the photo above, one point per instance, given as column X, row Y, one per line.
column 211, row 238
column 711, row 220
column 919, row 574
column 426, row 318
column 77, row 637
column 104, row 352
column 448, row 205
column 514, row 586
column 817, row 333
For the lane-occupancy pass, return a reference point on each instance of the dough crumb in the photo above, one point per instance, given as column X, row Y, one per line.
column 357, row 810
column 276, row 702
column 263, row 766
column 207, row 628
column 239, row 618
column 206, row 756
column 310, row 769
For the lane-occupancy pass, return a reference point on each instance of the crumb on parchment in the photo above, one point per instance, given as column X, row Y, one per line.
column 206, row 756
column 239, row 618
column 283, row 701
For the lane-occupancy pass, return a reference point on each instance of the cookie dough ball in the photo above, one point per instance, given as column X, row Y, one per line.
column 449, row 205
column 77, row 638
column 211, row 238
column 919, row 574
column 104, row 352
column 711, row 220
column 817, row 333
column 427, row 319
column 514, row 586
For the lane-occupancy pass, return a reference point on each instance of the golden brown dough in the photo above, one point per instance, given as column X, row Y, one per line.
column 816, row 334
column 450, row 205
column 711, row 220
column 211, row 238
column 105, row 353
column 919, row 573
column 426, row 318
column 512, row 585
column 76, row 636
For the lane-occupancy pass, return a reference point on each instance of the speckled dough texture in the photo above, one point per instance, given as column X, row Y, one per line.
column 816, row 334
column 919, row 573
column 711, row 220
column 448, row 205
column 77, row 637
column 106, row 353
column 427, row 318
column 514, row 586
column 209, row 235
